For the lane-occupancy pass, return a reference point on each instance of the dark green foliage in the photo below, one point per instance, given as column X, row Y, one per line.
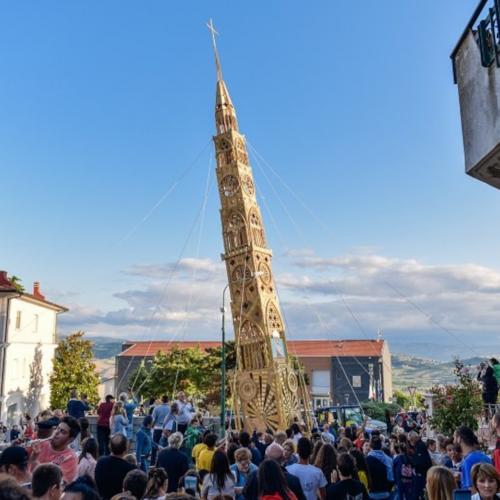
column 196, row 372
column 458, row 404
column 376, row 409
column 73, row 368
column 17, row 282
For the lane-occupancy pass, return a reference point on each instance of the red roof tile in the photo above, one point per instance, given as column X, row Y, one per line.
column 5, row 284
column 303, row 348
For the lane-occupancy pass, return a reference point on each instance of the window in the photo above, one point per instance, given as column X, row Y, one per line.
column 18, row 320
column 35, row 323
column 356, row 381
column 320, row 382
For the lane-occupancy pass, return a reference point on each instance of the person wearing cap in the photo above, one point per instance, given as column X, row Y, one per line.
column 274, row 452
column 57, row 449
column 45, row 427
column 14, row 462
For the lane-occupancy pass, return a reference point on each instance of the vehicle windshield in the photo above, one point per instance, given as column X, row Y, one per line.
column 353, row 416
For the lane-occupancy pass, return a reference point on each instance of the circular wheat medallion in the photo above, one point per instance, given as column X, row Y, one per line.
column 247, row 389
column 292, row 382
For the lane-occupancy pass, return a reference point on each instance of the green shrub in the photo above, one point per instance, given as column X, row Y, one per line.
column 459, row 404
column 376, row 409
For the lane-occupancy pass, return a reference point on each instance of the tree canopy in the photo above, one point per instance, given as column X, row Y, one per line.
column 73, row 368
column 194, row 371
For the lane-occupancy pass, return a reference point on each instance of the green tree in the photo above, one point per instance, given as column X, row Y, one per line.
column 458, row 404
column 179, row 369
column 402, row 399
column 376, row 409
column 194, row 371
column 17, row 282
column 73, row 368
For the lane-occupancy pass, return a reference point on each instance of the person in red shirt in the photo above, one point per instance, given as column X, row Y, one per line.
column 56, row 449
column 103, row 428
column 495, row 427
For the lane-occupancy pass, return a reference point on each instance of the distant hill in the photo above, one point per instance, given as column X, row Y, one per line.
column 424, row 373
column 105, row 347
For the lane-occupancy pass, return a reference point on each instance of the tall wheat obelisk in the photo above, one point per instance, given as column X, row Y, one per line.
column 266, row 384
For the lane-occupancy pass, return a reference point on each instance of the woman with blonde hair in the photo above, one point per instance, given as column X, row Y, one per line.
column 118, row 421
column 289, row 456
column 485, row 481
column 440, row 483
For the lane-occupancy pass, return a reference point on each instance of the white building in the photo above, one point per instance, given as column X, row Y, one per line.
column 28, row 324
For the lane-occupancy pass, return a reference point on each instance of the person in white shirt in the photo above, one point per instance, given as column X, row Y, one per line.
column 311, row 478
column 186, row 412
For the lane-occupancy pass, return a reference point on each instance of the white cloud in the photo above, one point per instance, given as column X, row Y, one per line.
column 403, row 297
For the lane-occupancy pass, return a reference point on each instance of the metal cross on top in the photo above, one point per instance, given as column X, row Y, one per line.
column 211, row 27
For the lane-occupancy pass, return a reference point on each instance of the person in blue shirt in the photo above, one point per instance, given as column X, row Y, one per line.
column 465, row 437
column 76, row 408
column 376, row 445
column 241, row 469
column 159, row 414
column 129, row 404
column 144, row 443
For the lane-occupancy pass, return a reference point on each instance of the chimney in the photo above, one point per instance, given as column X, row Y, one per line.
column 36, row 291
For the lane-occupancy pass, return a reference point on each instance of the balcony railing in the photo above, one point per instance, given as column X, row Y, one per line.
column 486, row 32
column 488, row 36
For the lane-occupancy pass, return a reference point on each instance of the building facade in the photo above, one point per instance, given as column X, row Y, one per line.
column 337, row 371
column 476, row 71
column 28, row 341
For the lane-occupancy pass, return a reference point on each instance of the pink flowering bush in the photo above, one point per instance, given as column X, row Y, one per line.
column 457, row 404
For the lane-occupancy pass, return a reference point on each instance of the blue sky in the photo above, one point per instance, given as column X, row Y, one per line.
column 106, row 104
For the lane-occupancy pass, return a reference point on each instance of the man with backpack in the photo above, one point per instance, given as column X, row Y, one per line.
column 422, row 462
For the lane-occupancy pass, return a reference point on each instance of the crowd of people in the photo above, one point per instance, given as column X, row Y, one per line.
column 173, row 456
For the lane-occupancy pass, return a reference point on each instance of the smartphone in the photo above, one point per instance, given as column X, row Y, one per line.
column 462, row 494
column 190, row 483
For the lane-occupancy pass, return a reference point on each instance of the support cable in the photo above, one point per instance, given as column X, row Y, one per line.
column 183, row 327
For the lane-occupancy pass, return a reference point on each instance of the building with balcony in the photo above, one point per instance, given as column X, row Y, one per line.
column 476, row 71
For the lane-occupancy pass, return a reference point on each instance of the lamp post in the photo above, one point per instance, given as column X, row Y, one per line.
column 223, row 366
